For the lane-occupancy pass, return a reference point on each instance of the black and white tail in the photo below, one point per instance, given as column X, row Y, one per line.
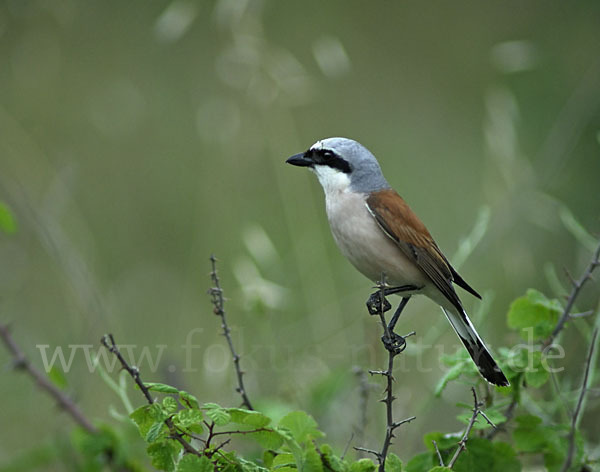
column 479, row 353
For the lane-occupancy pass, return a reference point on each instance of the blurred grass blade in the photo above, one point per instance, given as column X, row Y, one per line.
column 576, row 228
column 8, row 223
column 470, row 242
column 553, row 280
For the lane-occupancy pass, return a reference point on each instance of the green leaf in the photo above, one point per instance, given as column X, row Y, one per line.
column 57, row 377
column 249, row 466
column 482, row 454
column 186, row 418
column 439, row 468
column 285, row 460
column 393, row 463
column 146, row 416
column 505, row 458
column 268, row 439
column 191, row 463
column 268, row 456
column 7, row 222
column 558, row 446
column 169, row 405
column 534, row 315
column 530, row 435
column 188, row 399
column 311, row 462
column 302, row 426
column 528, row 421
column 444, row 441
column 227, row 462
column 160, row 387
column 536, row 374
column 162, row 454
column 421, row 463
column 330, row 460
column 455, row 372
column 217, row 414
column 247, row 417
column 154, row 431
column 362, row 465
column 292, row 445
column 479, row 455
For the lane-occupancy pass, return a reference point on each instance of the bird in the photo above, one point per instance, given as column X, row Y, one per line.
column 379, row 234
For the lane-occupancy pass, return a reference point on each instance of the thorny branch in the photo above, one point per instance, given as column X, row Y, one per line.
column 577, row 286
column 389, row 398
column 108, row 341
column 578, row 408
column 566, row 315
column 462, row 444
column 21, row 362
column 363, row 389
column 218, row 302
column 65, row 402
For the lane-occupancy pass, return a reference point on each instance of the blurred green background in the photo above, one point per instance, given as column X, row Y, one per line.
column 137, row 138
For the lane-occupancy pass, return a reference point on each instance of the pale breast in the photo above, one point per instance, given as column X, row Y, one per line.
column 365, row 245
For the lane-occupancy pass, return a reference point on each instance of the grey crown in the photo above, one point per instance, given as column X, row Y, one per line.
column 366, row 175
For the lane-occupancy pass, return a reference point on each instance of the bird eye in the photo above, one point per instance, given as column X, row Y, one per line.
column 327, row 154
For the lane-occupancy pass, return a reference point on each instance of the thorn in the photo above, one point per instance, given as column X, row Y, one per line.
column 581, row 315
column 570, row 277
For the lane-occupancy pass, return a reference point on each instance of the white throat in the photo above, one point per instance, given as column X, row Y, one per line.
column 332, row 180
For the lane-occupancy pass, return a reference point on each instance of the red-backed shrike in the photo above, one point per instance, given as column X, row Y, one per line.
column 379, row 234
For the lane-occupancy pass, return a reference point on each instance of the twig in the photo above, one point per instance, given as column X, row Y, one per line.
column 211, row 427
column 131, row 370
column 565, row 316
column 347, row 446
column 437, row 451
column 389, row 398
column 218, row 302
column 108, row 341
column 368, row 451
column 363, row 390
column 583, row 314
column 485, row 417
column 223, row 444
column 388, row 374
column 21, row 362
column 241, row 431
column 577, row 286
column 579, row 408
column 462, row 444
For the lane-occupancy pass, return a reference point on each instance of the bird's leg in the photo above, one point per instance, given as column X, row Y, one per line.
column 398, row 312
column 395, row 343
column 374, row 301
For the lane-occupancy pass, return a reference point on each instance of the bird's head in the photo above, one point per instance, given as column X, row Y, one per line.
column 342, row 164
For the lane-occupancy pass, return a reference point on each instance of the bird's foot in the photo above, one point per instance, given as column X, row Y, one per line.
column 374, row 301
column 395, row 343
column 374, row 304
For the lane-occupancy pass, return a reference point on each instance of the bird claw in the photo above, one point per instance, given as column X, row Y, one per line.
column 394, row 343
column 374, row 304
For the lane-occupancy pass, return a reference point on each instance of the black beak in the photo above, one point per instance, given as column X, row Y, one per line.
column 300, row 160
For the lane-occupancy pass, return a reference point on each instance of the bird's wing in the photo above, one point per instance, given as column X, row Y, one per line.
column 399, row 222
